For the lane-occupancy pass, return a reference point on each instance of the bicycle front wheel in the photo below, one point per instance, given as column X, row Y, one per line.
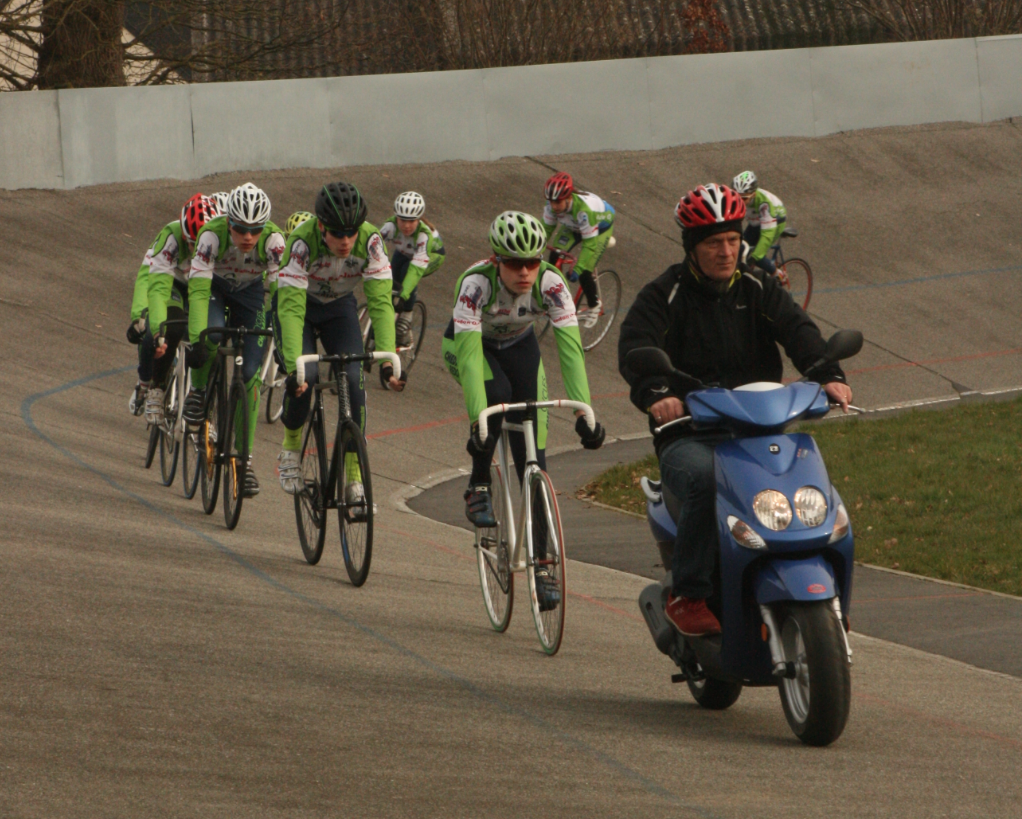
column 493, row 557
column 275, row 396
column 209, row 449
column 170, row 447
column 365, row 327
column 608, row 285
column 235, row 448
column 548, row 603
column 310, row 502
column 355, row 503
column 797, row 278
column 410, row 353
column 191, row 463
column 154, row 442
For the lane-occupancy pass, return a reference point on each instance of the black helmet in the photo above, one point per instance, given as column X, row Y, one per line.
column 340, row 206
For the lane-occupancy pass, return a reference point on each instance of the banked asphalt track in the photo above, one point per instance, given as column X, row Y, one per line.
column 156, row 664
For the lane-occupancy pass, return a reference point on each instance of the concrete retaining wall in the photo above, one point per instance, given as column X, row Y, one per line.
column 67, row 139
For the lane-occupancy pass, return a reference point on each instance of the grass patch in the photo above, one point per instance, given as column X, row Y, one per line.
column 935, row 493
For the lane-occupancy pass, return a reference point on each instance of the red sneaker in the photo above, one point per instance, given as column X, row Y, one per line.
column 691, row 617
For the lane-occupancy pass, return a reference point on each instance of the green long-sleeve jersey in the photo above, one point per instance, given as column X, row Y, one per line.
column 169, row 259
column 767, row 212
column 591, row 218
column 424, row 247
column 484, row 309
column 310, row 270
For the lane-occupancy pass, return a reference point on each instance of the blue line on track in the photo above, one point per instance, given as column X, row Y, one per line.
column 920, row 280
column 462, row 682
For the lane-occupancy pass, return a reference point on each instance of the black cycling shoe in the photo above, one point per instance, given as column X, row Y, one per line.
column 547, row 592
column 192, row 411
column 479, row 507
column 251, row 488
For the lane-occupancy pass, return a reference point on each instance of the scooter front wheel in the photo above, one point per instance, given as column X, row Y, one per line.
column 817, row 698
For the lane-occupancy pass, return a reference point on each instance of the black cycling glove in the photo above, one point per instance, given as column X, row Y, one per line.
column 591, row 438
column 401, row 305
column 134, row 334
column 291, row 384
column 197, row 355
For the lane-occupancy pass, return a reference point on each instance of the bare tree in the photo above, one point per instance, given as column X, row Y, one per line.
column 942, row 19
column 80, row 43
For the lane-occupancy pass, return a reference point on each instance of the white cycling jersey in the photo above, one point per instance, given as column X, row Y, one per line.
column 169, row 261
column 328, row 277
column 510, row 316
column 238, row 269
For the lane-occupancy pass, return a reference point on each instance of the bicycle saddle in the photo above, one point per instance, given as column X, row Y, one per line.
column 790, row 232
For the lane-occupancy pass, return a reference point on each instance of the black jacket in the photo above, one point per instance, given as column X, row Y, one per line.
column 724, row 334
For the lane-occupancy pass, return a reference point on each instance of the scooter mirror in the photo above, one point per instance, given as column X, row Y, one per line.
column 649, row 361
column 844, row 344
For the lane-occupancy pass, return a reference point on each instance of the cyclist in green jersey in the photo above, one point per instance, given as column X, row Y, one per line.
column 233, row 256
column 572, row 216
column 765, row 218
column 324, row 260
column 418, row 251
column 160, row 293
column 491, row 350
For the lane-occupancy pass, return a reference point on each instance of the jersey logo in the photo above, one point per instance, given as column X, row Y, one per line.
column 471, row 298
column 205, row 252
column 557, row 294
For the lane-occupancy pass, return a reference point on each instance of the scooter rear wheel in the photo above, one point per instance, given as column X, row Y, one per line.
column 715, row 695
column 817, row 699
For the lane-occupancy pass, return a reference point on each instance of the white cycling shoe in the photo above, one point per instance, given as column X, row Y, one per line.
column 154, row 406
column 354, row 493
column 289, row 470
column 403, row 330
column 588, row 317
column 136, row 404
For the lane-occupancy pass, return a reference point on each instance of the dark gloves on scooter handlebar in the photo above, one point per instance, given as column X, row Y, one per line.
column 591, row 438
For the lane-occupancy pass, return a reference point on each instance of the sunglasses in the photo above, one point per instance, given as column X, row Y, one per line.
column 520, row 264
column 249, row 229
column 343, row 234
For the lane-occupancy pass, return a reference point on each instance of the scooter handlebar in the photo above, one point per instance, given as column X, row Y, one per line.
column 683, row 420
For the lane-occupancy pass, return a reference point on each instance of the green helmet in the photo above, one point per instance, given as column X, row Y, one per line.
column 295, row 219
column 517, row 235
column 746, row 183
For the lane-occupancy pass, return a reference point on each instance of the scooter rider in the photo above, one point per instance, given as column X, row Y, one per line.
column 720, row 323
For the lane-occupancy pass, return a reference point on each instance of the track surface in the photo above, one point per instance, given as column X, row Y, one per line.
column 156, row 664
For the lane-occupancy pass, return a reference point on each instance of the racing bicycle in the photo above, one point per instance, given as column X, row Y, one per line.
column 794, row 274
column 223, row 434
column 592, row 329
column 509, row 547
column 407, row 354
column 272, row 377
column 175, row 430
column 333, row 483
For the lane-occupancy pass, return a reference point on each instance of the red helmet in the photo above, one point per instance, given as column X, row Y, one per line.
column 197, row 211
column 709, row 205
column 559, row 186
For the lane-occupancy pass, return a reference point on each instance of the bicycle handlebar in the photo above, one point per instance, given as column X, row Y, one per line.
column 500, row 409
column 170, row 323
column 236, row 332
column 314, row 358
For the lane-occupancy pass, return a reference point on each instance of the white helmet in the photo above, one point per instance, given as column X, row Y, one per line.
column 248, row 205
column 220, row 200
column 410, row 205
column 746, row 183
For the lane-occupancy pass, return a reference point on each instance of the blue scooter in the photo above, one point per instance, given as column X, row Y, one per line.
column 784, row 579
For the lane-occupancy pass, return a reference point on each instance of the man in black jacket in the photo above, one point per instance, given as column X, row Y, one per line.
column 721, row 324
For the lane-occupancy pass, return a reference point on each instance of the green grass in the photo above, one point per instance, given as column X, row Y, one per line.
column 929, row 492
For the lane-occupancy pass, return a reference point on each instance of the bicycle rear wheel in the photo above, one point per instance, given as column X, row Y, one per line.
column 310, row 502
column 797, row 278
column 409, row 354
column 608, row 285
column 355, row 515
column 549, row 622
column 493, row 558
column 235, row 461
column 154, row 442
column 191, row 462
column 170, row 447
column 209, row 449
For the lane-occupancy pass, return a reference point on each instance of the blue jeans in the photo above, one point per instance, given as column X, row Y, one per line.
column 686, row 468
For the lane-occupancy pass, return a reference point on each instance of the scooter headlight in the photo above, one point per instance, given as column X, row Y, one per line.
column 744, row 534
column 810, row 506
column 772, row 509
column 841, row 524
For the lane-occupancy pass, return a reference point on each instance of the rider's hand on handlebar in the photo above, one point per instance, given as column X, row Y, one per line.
column 839, row 393
column 591, row 438
column 387, row 370
column 197, row 356
column 292, row 387
column 161, row 350
column 666, row 410
column 135, row 331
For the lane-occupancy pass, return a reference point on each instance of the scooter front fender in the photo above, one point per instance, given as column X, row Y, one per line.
column 806, row 580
